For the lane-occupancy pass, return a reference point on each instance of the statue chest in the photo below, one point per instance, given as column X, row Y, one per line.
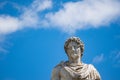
column 73, row 73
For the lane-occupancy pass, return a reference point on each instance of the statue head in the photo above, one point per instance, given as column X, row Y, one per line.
column 77, row 41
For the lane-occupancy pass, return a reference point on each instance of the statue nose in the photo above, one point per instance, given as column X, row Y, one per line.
column 73, row 49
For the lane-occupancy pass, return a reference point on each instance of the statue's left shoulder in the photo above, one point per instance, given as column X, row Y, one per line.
column 91, row 66
column 95, row 72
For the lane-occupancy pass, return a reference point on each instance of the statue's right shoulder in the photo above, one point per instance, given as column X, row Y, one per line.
column 57, row 68
column 59, row 65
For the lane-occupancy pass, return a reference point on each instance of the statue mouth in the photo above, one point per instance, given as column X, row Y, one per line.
column 75, row 56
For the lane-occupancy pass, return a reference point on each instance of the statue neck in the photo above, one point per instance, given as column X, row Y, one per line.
column 75, row 61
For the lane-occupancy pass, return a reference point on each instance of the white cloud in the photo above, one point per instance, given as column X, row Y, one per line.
column 31, row 17
column 28, row 18
column 40, row 5
column 8, row 24
column 98, row 58
column 71, row 17
column 84, row 14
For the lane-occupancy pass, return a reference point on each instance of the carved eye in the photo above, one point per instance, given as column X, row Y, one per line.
column 69, row 47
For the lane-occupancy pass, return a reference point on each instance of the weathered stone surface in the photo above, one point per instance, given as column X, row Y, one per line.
column 74, row 68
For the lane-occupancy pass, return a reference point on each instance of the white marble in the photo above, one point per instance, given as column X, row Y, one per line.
column 74, row 68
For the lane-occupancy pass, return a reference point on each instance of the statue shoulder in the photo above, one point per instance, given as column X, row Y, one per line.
column 56, row 71
column 92, row 67
column 95, row 72
column 58, row 66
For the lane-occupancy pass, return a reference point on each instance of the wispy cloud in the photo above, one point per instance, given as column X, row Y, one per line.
column 9, row 78
column 117, row 36
column 71, row 16
column 30, row 17
column 4, row 46
column 8, row 24
column 115, row 58
column 2, row 4
column 85, row 14
column 98, row 58
column 3, row 50
column 3, row 53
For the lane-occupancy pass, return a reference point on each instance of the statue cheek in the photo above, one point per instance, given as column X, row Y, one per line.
column 69, row 52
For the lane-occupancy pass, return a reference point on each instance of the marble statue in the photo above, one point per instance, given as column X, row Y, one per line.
column 74, row 68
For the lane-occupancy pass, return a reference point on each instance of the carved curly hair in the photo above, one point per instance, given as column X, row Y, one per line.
column 77, row 40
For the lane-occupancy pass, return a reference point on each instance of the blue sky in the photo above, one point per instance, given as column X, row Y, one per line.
column 33, row 32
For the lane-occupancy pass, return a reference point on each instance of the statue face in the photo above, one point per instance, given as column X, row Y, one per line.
column 73, row 50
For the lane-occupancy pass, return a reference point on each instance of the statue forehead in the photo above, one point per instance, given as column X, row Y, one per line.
column 72, row 43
